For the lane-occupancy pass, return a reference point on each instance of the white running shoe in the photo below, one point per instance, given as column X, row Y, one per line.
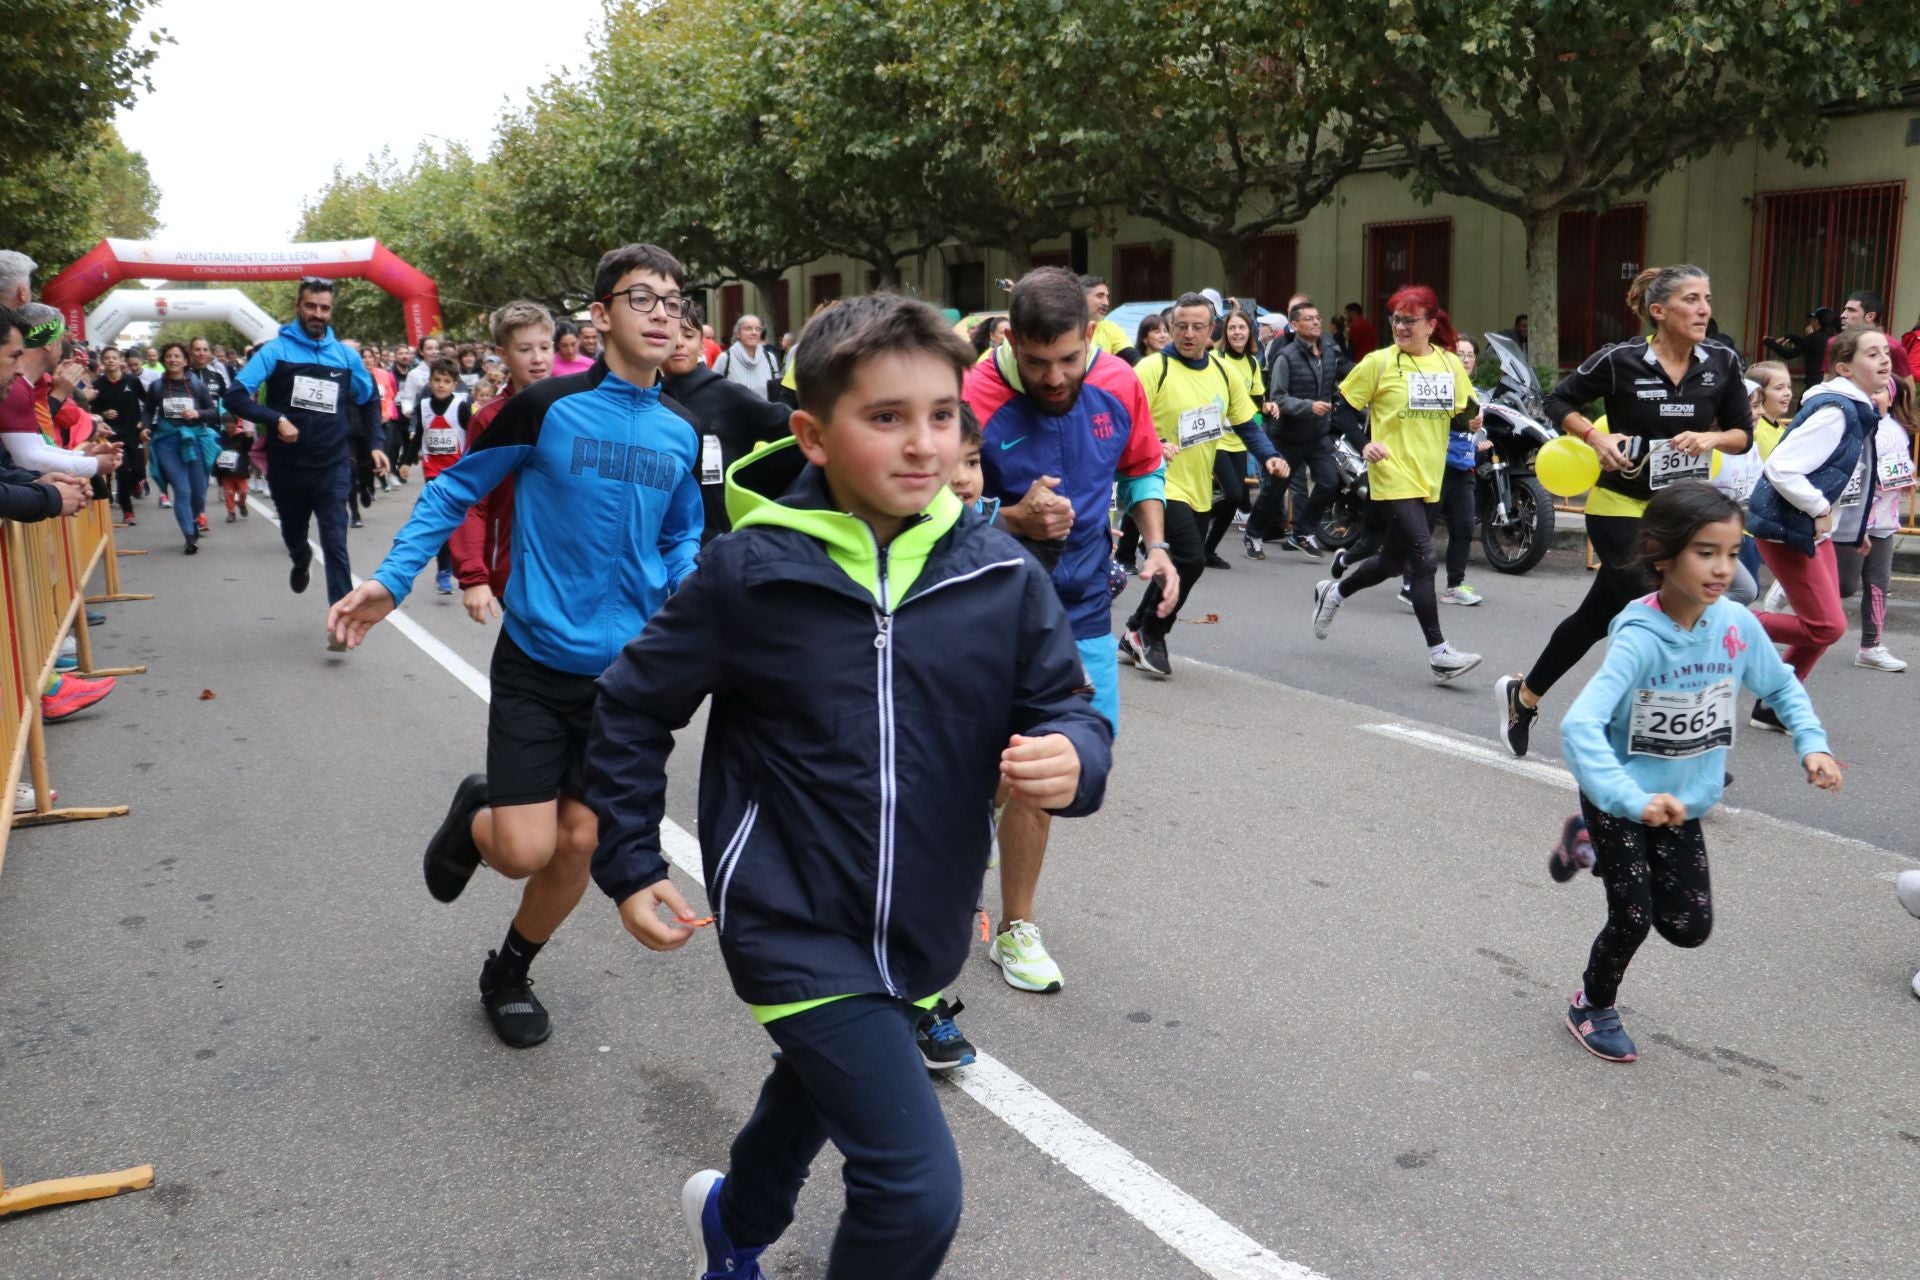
column 1450, row 662
column 1775, row 601
column 1879, row 659
column 1023, row 958
column 1462, row 594
column 1907, row 885
column 70, row 648
column 1326, row 603
column 24, row 798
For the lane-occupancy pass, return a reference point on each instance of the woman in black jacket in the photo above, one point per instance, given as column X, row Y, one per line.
column 119, row 401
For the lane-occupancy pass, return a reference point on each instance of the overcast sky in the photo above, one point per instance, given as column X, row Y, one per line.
column 258, row 99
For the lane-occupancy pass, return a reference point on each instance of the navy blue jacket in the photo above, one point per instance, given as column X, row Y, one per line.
column 853, row 746
column 318, row 385
column 24, row 499
column 1772, row 517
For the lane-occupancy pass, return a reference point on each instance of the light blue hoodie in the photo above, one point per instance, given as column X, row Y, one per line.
column 1649, row 650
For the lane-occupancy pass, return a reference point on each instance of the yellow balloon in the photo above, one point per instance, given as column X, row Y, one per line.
column 1566, row 467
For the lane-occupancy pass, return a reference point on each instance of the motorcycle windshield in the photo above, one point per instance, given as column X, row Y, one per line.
column 1515, row 370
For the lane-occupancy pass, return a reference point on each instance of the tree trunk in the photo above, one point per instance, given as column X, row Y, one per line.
column 889, row 273
column 766, row 284
column 1019, row 253
column 1236, row 269
column 1543, row 289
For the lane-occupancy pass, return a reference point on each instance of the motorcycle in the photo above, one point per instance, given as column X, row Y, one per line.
column 1515, row 510
column 1346, row 517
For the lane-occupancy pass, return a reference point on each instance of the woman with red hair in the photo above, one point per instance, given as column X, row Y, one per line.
column 1414, row 394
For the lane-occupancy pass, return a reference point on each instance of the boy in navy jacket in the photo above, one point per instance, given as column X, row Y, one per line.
column 879, row 660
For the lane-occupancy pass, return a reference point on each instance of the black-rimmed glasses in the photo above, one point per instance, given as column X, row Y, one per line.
column 644, row 300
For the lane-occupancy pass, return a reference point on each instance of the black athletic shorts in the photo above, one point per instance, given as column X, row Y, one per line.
column 536, row 729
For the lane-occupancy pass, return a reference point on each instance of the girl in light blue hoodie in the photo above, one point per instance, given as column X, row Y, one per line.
column 1647, row 741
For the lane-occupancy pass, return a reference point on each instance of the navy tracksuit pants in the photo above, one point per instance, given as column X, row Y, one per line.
column 849, row 1072
column 319, row 493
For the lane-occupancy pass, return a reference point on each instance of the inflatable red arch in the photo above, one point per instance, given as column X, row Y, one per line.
column 111, row 261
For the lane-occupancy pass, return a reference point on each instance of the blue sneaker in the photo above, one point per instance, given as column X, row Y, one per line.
column 1599, row 1031
column 444, row 581
column 66, row 662
column 714, row 1256
column 941, row 1045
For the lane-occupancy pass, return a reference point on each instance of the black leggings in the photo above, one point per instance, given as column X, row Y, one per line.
column 1230, row 473
column 1615, row 540
column 128, row 478
column 1407, row 548
column 1186, row 541
column 1456, row 505
column 1656, row 877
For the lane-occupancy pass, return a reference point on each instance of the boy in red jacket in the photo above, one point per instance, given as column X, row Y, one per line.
column 523, row 335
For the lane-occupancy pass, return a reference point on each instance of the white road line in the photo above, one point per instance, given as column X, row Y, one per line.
column 1214, row 1245
column 1466, row 750
column 1556, row 775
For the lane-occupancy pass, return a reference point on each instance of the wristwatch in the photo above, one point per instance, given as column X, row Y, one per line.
column 1158, row 546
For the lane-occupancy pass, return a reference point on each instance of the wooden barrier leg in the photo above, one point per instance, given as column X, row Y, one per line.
column 44, row 813
column 83, row 648
column 112, row 560
column 97, row 1186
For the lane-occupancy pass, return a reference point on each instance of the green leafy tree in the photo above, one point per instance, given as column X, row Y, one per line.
column 713, row 176
column 864, row 153
column 1543, row 108
column 69, row 67
column 1245, row 132
column 1021, row 155
column 129, row 202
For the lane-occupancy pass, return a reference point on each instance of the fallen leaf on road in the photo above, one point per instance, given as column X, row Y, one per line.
column 1201, row 622
column 206, row 695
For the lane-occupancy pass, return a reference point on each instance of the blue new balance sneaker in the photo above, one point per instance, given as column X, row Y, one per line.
column 1599, row 1031
column 714, row 1256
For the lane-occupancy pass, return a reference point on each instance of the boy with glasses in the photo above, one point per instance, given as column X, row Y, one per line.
column 606, row 523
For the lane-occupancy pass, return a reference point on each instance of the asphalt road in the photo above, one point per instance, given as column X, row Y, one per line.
column 1376, row 655
column 1315, row 979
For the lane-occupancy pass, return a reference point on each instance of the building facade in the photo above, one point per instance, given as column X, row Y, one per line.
column 1777, row 239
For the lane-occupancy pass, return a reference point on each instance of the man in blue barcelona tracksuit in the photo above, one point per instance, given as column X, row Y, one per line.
column 607, row 519
column 314, row 397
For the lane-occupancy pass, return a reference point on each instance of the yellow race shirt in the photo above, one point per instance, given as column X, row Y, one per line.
column 1110, row 337
column 1246, row 369
column 1193, row 409
column 1411, row 400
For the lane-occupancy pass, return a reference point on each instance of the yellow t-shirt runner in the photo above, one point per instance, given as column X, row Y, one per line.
column 1193, row 409
column 1247, row 369
column 1110, row 337
column 1411, row 401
